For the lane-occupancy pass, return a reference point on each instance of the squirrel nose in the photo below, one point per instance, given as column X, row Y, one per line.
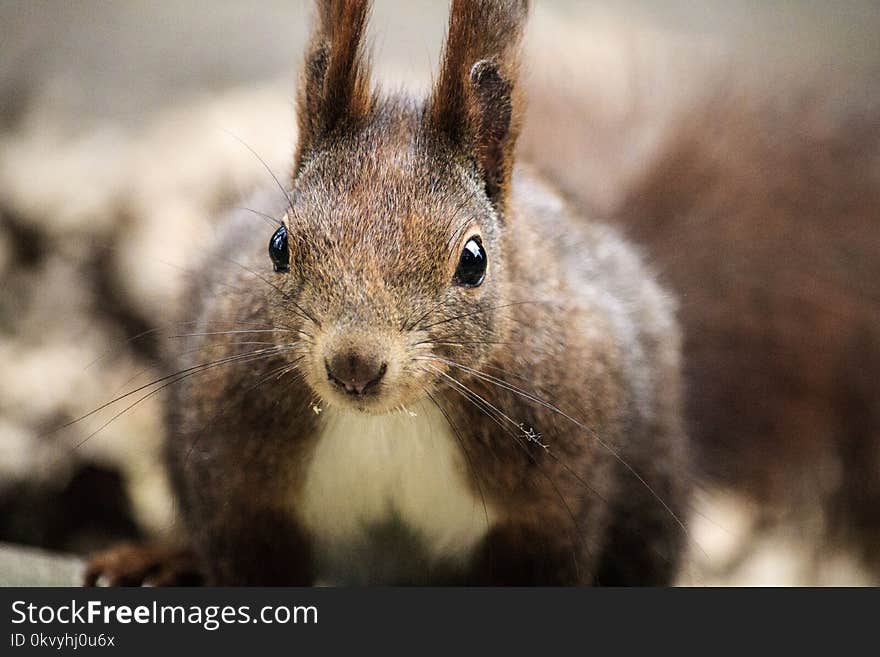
column 353, row 373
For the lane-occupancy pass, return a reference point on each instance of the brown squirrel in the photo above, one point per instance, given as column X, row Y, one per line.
column 439, row 373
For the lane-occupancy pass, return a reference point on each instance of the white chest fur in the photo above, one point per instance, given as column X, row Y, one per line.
column 367, row 471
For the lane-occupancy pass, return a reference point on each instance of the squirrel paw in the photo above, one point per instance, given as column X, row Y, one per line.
column 133, row 564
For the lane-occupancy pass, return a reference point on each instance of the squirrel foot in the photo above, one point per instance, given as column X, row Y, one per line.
column 135, row 564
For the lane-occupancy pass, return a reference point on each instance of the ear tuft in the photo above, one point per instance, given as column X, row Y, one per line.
column 334, row 90
column 474, row 105
column 493, row 114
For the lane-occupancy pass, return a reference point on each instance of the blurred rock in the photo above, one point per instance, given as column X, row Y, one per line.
column 29, row 567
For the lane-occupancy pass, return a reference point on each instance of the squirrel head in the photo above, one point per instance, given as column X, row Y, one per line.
column 391, row 259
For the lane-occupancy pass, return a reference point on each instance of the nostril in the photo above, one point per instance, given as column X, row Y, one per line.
column 354, row 374
column 375, row 380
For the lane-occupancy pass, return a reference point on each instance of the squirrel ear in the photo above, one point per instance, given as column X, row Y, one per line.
column 334, row 89
column 475, row 103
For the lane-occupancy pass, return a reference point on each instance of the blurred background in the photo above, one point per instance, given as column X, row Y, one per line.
column 119, row 129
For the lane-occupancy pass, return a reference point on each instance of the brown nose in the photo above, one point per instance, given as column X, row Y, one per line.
column 355, row 374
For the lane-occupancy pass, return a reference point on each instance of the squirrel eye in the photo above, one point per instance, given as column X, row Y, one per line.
column 472, row 264
column 278, row 252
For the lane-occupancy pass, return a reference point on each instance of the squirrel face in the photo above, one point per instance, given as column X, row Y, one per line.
column 394, row 247
column 393, row 255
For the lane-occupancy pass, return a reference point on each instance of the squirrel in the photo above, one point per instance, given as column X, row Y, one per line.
column 440, row 373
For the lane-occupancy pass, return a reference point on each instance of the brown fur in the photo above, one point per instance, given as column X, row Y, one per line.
column 586, row 469
column 475, row 103
column 334, row 88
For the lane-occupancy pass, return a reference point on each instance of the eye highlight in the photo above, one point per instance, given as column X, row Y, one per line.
column 471, row 264
column 278, row 252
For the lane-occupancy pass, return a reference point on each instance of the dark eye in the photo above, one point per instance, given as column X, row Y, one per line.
column 278, row 250
column 472, row 264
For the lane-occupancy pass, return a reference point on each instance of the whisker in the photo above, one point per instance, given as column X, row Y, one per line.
column 410, row 324
column 265, row 166
column 467, row 454
column 464, row 343
column 578, row 538
column 118, row 346
column 238, row 331
column 187, row 352
column 527, row 435
column 159, row 380
column 108, row 354
column 272, row 221
column 244, row 358
column 510, row 387
column 284, row 295
column 477, row 312
column 280, row 371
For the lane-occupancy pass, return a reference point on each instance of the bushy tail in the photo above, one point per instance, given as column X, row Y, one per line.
column 756, row 194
